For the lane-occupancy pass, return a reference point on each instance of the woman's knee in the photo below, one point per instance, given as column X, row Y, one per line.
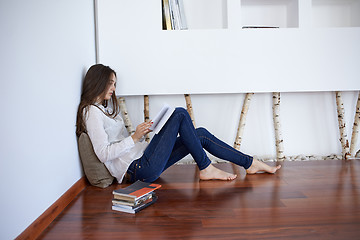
column 181, row 110
column 200, row 131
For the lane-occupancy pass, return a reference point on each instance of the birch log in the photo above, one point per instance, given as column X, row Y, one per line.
column 242, row 120
column 146, row 114
column 342, row 126
column 355, row 130
column 189, row 108
column 278, row 136
column 127, row 121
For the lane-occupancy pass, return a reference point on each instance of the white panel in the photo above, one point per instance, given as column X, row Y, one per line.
column 153, row 61
column 278, row 13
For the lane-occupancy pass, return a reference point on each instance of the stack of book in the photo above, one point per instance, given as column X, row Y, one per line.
column 135, row 197
column 173, row 15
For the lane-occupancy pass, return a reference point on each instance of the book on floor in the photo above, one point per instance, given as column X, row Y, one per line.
column 135, row 209
column 135, row 191
column 117, row 201
column 161, row 118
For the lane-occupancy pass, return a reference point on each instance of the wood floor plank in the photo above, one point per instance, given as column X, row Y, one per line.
column 304, row 200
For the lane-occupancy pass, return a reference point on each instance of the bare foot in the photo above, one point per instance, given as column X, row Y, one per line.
column 258, row 166
column 212, row 172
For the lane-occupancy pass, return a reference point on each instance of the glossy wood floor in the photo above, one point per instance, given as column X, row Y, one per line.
column 304, row 200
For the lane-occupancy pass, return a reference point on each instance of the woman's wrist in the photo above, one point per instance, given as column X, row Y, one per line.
column 135, row 139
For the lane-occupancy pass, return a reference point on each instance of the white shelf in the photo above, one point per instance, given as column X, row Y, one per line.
column 224, row 14
column 223, row 58
column 206, row 14
column 219, row 14
column 336, row 13
column 277, row 13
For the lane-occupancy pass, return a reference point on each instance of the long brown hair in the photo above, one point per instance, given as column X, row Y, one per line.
column 96, row 82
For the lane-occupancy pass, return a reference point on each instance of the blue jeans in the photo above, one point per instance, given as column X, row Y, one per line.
column 177, row 139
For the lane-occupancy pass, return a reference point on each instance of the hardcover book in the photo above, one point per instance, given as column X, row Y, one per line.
column 117, row 201
column 135, row 191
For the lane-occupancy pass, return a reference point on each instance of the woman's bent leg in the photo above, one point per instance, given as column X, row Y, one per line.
column 161, row 154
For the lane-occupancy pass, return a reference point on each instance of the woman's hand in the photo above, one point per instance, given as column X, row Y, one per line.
column 141, row 130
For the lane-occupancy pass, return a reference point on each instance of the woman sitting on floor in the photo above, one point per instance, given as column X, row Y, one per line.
column 99, row 116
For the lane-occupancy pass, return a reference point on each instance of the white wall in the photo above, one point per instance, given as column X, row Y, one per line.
column 45, row 48
column 309, row 120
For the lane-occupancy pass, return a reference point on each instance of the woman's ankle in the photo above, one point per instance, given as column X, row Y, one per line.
column 211, row 172
column 258, row 166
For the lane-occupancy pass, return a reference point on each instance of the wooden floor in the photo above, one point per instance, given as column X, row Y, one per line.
column 304, row 200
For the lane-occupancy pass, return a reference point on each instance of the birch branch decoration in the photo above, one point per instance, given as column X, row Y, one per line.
column 278, row 135
column 242, row 120
column 127, row 121
column 355, row 130
column 189, row 108
column 146, row 114
column 342, row 126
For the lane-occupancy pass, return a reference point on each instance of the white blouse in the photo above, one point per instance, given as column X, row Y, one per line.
column 111, row 141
